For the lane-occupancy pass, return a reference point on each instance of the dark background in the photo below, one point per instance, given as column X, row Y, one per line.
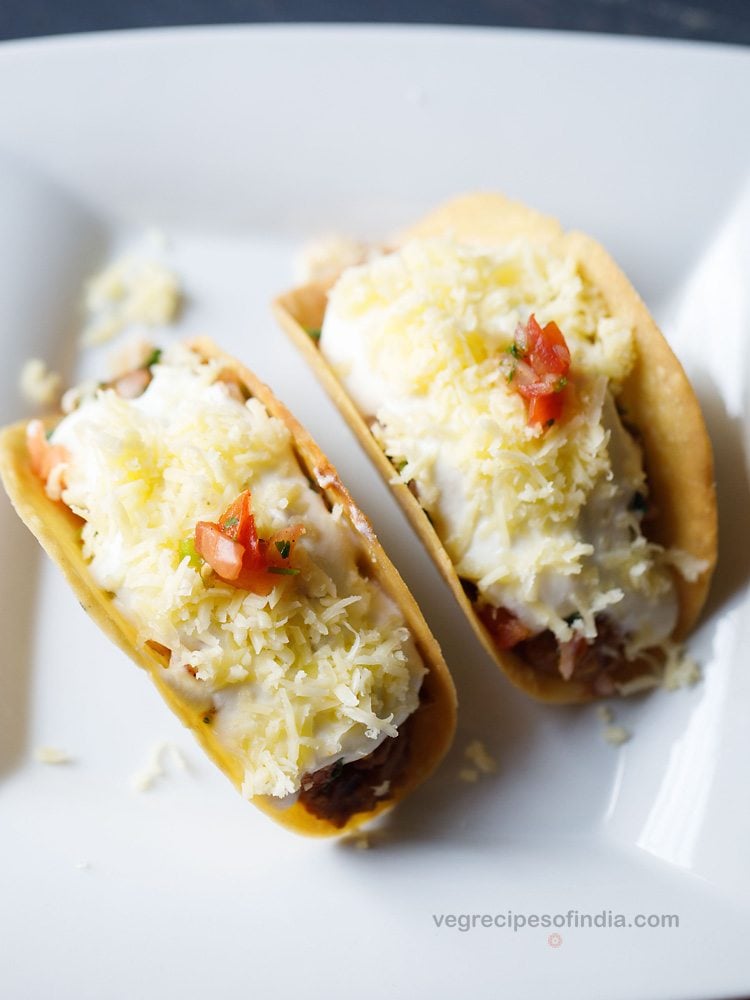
column 712, row 20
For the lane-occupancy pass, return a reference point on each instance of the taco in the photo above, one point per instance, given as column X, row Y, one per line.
column 539, row 433
column 205, row 532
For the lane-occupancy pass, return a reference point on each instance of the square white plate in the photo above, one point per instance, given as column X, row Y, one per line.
column 242, row 144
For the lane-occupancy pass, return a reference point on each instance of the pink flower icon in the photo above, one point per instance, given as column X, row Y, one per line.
column 554, row 940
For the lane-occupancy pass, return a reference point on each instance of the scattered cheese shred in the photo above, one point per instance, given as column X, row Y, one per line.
column 136, row 290
column 476, row 752
column 144, row 779
column 325, row 258
column 680, row 671
column 617, row 735
column 38, row 384
column 52, row 755
column 604, row 713
column 155, row 768
column 468, row 774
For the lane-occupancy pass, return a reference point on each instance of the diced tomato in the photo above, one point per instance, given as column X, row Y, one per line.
column 233, row 550
column 506, row 629
column 44, row 457
column 238, row 522
column 545, row 410
column 221, row 552
column 547, row 351
column 540, row 369
column 281, row 545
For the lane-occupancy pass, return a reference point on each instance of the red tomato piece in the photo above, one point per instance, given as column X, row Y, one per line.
column 233, row 550
column 505, row 628
column 545, row 410
column 222, row 553
column 539, row 373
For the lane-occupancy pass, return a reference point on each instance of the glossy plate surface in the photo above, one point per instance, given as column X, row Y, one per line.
column 242, row 145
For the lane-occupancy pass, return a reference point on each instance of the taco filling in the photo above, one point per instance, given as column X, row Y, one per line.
column 490, row 379
column 197, row 516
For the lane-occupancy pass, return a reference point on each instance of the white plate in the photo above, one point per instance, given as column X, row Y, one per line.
column 241, row 144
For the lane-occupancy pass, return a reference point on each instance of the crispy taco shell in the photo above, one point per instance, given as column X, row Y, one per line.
column 432, row 725
column 657, row 400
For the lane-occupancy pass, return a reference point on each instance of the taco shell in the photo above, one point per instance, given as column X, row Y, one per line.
column 58, row 531
column 656, row 397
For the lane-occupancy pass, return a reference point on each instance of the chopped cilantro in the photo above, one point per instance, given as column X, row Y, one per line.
column 314, row 335
column 515, row 351
column 154, row 357
column 283, row 570
column 560, row 384
column 231, row 522
column 187, row 551
column 284, row 548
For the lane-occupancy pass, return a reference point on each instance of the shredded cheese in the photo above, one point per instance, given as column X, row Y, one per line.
column 617, row 735
column 136, row 290
column 323, row 668
column 52, row 755
column 476, row 752
column 38, row 384
column 541, row 521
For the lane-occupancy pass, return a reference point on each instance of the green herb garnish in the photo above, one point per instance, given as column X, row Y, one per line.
column 284, row 548
column 154, row 357
column 314, row 335
column 515, row 351
column 283, row 570
column 560, row 384
column 187, row 551
column 231, row 522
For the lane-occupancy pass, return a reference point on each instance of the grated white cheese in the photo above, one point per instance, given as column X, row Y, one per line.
column 322, row 668
column 617, row 735
column 469, row 775
column 38, row 384
column 136, row 290
column 325, row 258
column 680, row 670
column 604, row 713
column 144, row 779
column 476, row 752
column 540, row 521
column 52, row 755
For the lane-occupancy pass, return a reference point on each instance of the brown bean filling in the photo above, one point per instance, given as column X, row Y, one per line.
column 337, row 792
